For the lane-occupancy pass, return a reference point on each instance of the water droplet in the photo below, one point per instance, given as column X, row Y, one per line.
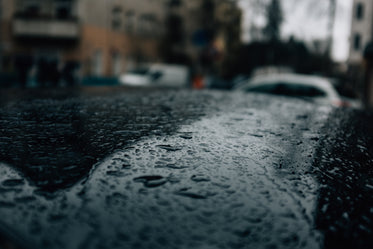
column 243, row 233
column 56, row 217
column 13, row 182
column 169, row 147
column 186, row 135
column 46, row 194
column 200, row 178
column 173, row 179
column 302, row 117
column 369, row 186
column 187, row 193
column 114, row 173
column 174, row 166
column 126, row 166
column 254, row 135
column 5, row 204
column 25, row 199
column 151, row 181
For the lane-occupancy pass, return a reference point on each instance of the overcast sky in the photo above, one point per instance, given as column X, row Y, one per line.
column 307, row 20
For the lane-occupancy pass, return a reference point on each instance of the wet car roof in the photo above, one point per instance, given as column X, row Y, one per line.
column 228, row 173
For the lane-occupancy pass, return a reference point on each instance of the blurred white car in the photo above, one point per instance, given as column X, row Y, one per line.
column 318, row 89
column 163, row 75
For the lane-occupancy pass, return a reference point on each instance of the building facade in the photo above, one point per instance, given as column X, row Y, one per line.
column 361, row 37
column 100, row 38
column 208, row 33
column 107, row 37
column 361, row 29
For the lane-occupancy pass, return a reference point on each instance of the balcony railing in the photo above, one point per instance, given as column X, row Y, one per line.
column 46, row 28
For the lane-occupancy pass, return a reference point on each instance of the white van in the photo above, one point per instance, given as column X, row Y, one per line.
column 163, row 75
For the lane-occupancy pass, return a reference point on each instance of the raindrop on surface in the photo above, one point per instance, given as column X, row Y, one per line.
column 114, row 173
column 369, row 186
column 254, row 135
column 169, row 147
column 301, row 117
column 151, row 181
column 46, row 194
column 126, row 166
column 70, row 168
column 186, row 136
column 25, row 199
column 243, row 233
column 174, row 166
column 13, row 182
column 56, row 217
column 200, row 178
column 185, row 192
column 173, row 179
column 5, row 204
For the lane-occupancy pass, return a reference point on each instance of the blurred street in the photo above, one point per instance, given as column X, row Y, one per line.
column 120, row 167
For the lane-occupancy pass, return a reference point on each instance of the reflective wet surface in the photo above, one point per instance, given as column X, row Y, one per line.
column 182, row 169
column 343, row 168
column 55, row 142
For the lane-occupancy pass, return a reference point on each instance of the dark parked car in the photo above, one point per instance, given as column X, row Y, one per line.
column 182, row 169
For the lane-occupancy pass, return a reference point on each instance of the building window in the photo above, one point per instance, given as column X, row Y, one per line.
column 116, row 22
column 63, row 9
column 175, row 27
column 174, row 3
column 359, row 11
column 63, row 13
column 146, row 24
column 357, row 42
column 32, row 10
column 130, row 21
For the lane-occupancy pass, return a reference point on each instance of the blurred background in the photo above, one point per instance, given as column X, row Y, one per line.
column 178, row 43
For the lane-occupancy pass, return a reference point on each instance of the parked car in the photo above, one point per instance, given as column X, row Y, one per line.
column 315, row 88
column 165, row 169
column 164, row 75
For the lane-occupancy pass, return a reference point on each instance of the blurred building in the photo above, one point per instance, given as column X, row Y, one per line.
column 205, row 33
column 361, row 35
column 361, row 29
column 99, row 37
column 54, row 39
